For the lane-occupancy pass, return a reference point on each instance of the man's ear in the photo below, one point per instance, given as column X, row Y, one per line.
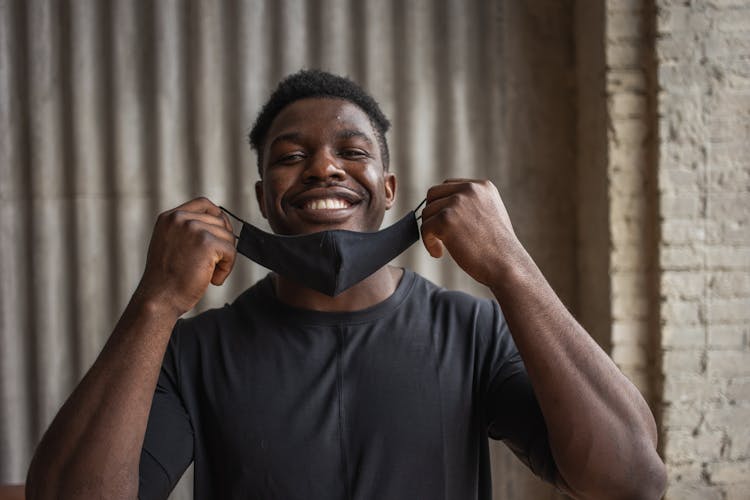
column 259, row 198
column 389, row 182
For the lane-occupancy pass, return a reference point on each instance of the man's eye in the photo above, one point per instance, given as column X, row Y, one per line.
column 290, row 158
column 354, row 154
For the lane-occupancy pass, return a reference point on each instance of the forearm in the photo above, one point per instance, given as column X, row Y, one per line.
column 601, row 431
column 92, row 448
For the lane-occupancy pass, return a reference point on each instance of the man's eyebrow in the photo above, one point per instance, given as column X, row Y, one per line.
column 352, row 133
column 289, row 136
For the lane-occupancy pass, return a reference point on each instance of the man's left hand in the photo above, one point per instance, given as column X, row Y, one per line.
column 469, row 219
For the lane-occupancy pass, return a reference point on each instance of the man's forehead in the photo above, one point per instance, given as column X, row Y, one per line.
column 318, row 115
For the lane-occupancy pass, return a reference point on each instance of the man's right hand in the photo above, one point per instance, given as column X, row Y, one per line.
column 192, row 246
column 92, row 449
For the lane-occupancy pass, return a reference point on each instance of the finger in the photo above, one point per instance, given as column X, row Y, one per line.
column 433, row 245
column 223, row 267
column 445, row 189
column 200, row 204
column 227, row 222
column 431, row 238
column 460, row 179
column 434, row 207
column 218, row 232
column 183, row 216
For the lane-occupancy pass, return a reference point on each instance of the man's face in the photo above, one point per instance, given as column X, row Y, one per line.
column 322, row 170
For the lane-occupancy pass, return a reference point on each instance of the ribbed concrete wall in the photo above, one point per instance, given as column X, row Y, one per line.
column 111, row 112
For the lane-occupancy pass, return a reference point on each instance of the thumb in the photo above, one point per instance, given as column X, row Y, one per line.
column 222, row 269
column 433, row 245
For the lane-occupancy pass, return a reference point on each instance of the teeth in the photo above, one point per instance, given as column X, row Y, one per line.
column 327, row 204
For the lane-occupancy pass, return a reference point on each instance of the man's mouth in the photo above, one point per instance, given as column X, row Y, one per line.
column 331, row 199
column 326, row 204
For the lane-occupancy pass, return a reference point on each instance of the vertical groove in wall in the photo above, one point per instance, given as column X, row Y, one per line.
column 654, row 235
column 113, row 112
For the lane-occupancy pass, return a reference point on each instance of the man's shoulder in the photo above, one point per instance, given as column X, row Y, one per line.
column 229, row 314
column 439, row 296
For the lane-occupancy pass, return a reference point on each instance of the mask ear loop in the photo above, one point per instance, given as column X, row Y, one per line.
column 234, row 217
column 420, row 206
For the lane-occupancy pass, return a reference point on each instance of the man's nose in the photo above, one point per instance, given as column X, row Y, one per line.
column 323, row 167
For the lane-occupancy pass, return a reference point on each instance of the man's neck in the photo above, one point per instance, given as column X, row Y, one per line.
column 372, row 290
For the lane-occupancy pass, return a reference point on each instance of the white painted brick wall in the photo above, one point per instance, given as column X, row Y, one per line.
column 703, row 71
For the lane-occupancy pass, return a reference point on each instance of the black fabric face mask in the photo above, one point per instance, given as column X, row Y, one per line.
column 328, row 261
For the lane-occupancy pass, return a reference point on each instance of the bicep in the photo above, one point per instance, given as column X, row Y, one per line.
column 168, row 444
column 514, row 416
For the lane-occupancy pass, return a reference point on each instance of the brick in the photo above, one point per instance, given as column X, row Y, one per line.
column 683, row 284
column 729, row 283
column 739, row 443
column 682, row 257
column 628, row 208
column 737, row 391
column 683, row 177
column 629, row 330
column 630, row 355
column 729, row 417
column 624, row 105
column 686, row 388
column 682, row 79
column 630, row 295
column 732, row 104
column 682, row 312
column 682, row 417
column 624, row 6
column 683, row 362
column 728, row 363
column 737, row 491
column 624, row 25
column 682, row 205
column 728, row 232
column 690, row 472
column 628, row 233
column 733, row 310
column 729, row 472
column 721, row 4
column 727, row 45
column 685, row 446
column 682, row 231
column 693, row 491
column 731, row 20
column 683, row 336
column 626, row 55
column 722, row 205
column 727, row 129
column 628, row 80
column 681, row 19
column 723, row 180
column 627, row 257
column 674, row 49
column 727, row 257
column 629, row 131
column 725, row 336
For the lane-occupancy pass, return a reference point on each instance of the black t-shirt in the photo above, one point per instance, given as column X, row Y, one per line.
column 392, row 402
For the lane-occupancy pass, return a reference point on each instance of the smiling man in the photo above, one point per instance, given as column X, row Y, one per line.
column 385, row 388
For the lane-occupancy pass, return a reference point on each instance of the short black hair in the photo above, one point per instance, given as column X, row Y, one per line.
column 315, row 83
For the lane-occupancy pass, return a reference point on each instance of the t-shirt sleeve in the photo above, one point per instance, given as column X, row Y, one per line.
column 512, row 411
column 168, row 444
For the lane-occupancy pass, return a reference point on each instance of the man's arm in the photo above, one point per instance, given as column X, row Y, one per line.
column 601, row 431
column 92, row 448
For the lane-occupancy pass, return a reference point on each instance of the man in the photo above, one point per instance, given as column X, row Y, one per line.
column 387, row 389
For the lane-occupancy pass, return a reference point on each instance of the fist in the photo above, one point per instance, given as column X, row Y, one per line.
column 468, row 218
column 191, row 246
